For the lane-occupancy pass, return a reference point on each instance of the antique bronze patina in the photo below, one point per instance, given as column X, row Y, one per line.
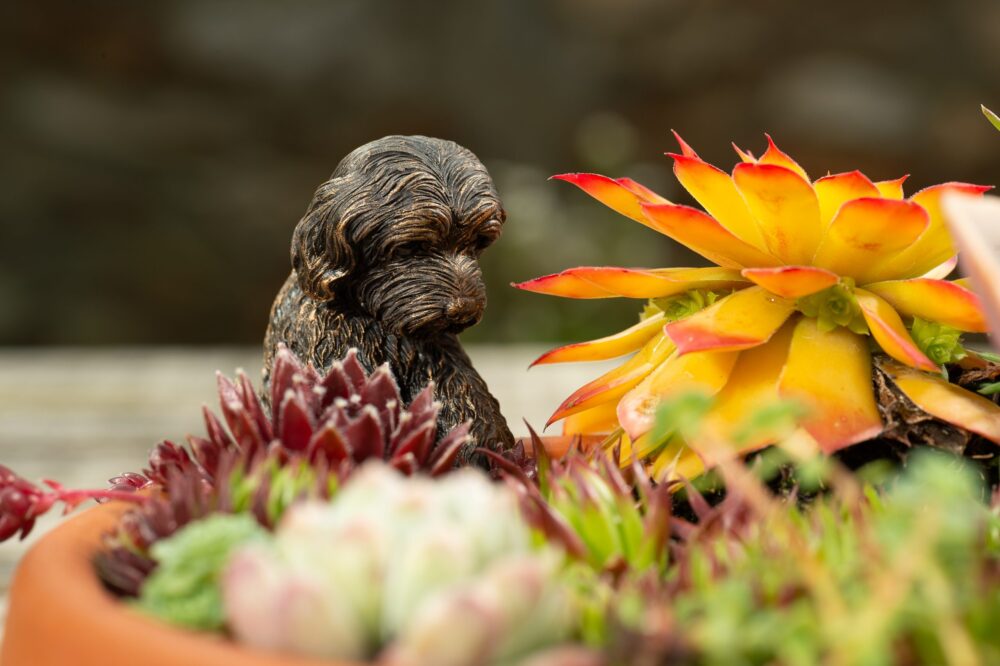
column 385, row 260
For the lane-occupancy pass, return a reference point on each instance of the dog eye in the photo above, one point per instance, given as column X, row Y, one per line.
column 488, row 234
column 409, row 248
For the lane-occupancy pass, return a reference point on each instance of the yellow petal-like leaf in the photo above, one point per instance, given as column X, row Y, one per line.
column 836, row 190
column 611, row 282
column 611, row 346
column 599, row 420
column 707, row 277
column 774, row 155
column 741, row 320
column 686, row 150
column 786, row 209
column 935, row 246
column 715, row 191
column 792, row 281
column 705, row 372
column 744, row 155
column 703, row 234
column 621, row 195
column 865, row 233
column 753, row 383
column 888, row 330
column 675, row 462
column 934, row 300
column 891, row 189
column 942, row 270
column 946, row 401
column 644, row 193
column 831, row 375
column 615, row 383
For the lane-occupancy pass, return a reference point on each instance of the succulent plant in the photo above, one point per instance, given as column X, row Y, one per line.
column 611, row 519
column 904, row 573
column 22, row 502
column 263, row 487
column 389, row 560
column 184, row 588
column 513, row 608
column 338, row 420
column 810, row 275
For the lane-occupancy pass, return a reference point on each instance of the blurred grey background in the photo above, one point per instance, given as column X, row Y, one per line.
column 155, row 156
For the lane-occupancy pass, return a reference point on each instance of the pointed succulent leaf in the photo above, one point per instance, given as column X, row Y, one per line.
column 284, row 368
column 354, row 370
column 705, row 235
column 336, row 385
column 206, row 453
column 244, row 429
column 251, row 402
column 365, row 436
column 443, row 458
column 611, row 346
column 840, row 403
column 380, row 390
column 836, row 190
column 888, row 330
column 620, row 195
column 946, row 401
column 990, row 116
column 742, row 320
column 424, row 407
column 715, row 191
column 216, row 432
column 328, row 444
column 792, row 281
column 296, row 423
column 417, row 442
column 776, row 156
column 786, row 208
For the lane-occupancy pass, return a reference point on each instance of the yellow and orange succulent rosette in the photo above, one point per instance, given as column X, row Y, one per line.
column 811, row 277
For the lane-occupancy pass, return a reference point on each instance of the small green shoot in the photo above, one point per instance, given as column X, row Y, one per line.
column 990, row 116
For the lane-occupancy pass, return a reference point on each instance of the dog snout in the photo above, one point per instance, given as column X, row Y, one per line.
column 464, row 311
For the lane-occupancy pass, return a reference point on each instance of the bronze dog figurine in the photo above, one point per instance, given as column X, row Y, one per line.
column 385, row 260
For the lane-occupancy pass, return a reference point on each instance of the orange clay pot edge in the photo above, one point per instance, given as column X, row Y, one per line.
column 60, row 614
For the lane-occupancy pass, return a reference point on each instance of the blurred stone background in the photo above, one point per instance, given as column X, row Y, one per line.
column 155, row 156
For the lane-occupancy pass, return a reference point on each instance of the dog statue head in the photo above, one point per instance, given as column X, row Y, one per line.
column 396, row 233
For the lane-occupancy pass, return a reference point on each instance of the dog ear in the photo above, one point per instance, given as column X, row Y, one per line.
column 321, row 256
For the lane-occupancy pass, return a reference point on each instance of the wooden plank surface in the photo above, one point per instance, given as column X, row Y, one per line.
column 82, row 415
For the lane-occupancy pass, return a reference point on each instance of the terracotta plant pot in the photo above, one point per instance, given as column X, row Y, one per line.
column 61, row 615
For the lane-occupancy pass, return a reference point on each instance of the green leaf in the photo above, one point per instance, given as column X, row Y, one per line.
column 942, row 344
column 990, row 116
column 990, row 389
column 184, row 588
column 680, row 306
column 989, row 356
column 834, row 306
